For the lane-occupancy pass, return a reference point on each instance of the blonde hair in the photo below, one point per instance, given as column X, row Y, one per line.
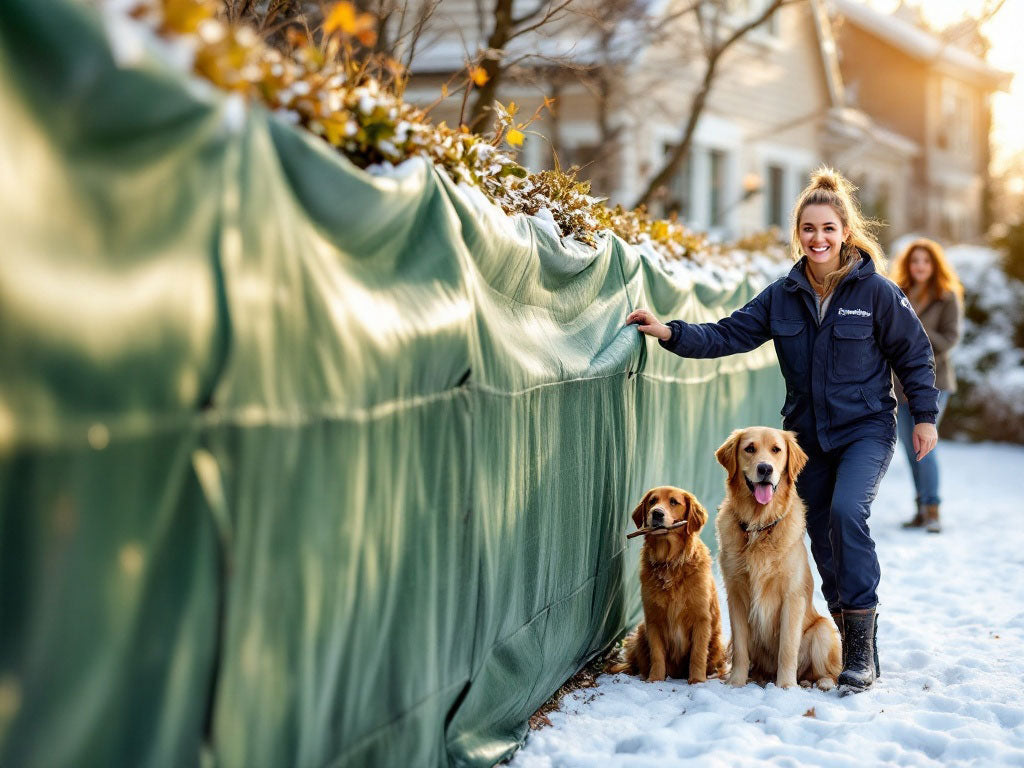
column 829, row 187
column 943, row 279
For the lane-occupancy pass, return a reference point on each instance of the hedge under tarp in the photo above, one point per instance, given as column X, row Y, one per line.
column 300, row 466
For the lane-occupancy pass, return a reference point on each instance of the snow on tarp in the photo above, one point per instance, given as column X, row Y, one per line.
column 299, row 465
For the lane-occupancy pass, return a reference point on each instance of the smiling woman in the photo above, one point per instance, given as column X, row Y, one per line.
column 840, row 330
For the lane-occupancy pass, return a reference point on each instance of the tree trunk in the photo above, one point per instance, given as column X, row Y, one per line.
column 499, row 37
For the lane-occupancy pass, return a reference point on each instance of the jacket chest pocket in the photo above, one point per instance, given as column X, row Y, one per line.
column 790, row 338
column 853, row 351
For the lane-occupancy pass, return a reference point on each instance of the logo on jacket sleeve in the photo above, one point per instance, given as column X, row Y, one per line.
column 859, row 312
column 905, row 302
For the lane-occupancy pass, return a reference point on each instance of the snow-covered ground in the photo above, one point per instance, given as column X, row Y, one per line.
column 951, row 634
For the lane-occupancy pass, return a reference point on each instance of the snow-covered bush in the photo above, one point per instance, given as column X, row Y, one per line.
column 323, row 81
column 990, row 359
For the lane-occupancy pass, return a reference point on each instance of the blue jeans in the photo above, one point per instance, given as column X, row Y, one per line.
column 925, row 471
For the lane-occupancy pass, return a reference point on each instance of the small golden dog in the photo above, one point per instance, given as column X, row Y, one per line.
column 776, row 633
column 681, row 635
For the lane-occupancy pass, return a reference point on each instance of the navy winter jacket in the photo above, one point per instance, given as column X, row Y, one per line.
column 839, row 373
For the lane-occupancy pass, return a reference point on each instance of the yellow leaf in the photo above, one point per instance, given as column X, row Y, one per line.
column 515, row 138
column 478, row 75
column 185, row 16
column 334, row 131
column 343, row 17
column 366, row 35
column 512, row 109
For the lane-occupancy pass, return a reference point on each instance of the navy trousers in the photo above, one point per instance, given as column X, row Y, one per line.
column 838, row 487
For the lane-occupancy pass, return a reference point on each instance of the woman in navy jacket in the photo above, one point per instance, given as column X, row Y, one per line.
column 840, row 330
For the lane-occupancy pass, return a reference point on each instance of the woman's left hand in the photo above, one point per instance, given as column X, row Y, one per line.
column 925, row 438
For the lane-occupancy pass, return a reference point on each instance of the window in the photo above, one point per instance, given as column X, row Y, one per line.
column 957, row 117
column 803, row 179
column 718, row 162
column 775, row 198
column 678, row 198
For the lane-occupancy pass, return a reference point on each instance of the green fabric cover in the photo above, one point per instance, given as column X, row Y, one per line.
column 300, row 466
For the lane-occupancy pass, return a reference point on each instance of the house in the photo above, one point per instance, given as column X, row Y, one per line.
column 933, row 91
column 800, row 90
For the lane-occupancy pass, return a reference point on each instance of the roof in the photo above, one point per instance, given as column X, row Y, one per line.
column 922, row 45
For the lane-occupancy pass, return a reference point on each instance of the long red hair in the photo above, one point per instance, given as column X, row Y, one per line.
column 943, row 279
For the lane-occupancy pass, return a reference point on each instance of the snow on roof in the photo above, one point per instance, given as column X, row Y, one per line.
column 920, row 44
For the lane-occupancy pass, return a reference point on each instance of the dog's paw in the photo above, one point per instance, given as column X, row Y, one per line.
column 785, row 682
column 698, row 679
column 737, row 681
column 805, row 683
column 826, row 683
column 652, row 678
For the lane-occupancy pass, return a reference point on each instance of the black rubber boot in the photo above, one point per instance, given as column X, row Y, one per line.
column 837, row 617
column 859, row 662
column 874, row 646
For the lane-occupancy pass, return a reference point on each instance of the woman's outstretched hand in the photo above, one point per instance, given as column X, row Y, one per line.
column 649, row 324
column 925, row 438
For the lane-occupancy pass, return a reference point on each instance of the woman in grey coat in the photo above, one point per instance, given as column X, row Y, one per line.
column 935, row 292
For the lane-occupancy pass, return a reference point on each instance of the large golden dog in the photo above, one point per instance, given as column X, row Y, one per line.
column 681, row 635
column 776, row 632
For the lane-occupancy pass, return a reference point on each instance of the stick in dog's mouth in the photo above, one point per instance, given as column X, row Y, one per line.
column 763, row 492
column 656, row 530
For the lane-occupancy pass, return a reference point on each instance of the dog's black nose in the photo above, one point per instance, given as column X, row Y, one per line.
column 658, row 517
column 764, row 470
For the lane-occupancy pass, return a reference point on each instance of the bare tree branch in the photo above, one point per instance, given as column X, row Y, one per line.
column 552, row 14
column 700, row 97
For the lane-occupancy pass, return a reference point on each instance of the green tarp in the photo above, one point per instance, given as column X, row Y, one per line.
column 301, row 467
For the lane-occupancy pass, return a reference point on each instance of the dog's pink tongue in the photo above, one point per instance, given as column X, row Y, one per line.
column 763, row 492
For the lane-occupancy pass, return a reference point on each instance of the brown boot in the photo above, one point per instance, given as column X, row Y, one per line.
column 931, row 518
column 917, row 521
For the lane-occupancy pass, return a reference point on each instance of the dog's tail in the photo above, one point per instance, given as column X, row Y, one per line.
column 633, row 648
column 821, row 648
column 618, row 667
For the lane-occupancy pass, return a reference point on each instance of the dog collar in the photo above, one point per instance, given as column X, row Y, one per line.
column 748, row 530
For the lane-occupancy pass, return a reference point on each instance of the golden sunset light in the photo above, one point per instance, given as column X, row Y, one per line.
column 519, row 383
column 1003, row 32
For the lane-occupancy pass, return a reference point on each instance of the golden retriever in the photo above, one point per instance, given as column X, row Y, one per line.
column 776, row 632
column 681, row 635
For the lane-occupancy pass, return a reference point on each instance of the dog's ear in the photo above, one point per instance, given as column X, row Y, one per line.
column 696, row 515
column 726, row 454
column 638, row 513
column 796, row 457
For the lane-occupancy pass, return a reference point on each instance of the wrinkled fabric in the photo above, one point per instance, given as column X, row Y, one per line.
column 300, row 466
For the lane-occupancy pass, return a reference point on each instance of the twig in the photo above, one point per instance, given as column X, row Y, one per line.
column 656, row 531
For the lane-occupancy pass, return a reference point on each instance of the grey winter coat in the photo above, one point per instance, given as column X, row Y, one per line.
column 941, row 319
